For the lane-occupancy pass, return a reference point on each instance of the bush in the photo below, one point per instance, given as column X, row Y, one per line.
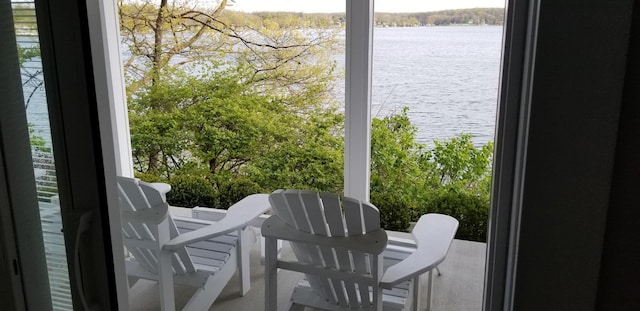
column 235, row 190
column 394, row 211
column 190, row 191
column 471, row 210
column 150, row 178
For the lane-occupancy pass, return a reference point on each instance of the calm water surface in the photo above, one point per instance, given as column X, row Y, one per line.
column 447, row 76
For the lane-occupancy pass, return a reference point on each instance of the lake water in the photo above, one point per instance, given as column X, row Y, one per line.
column 447, row 76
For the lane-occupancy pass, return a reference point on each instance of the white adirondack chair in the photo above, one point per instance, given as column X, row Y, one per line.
column 188, row 251
column 348, row 261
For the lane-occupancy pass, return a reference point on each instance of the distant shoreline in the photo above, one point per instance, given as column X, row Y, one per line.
column 475, row 16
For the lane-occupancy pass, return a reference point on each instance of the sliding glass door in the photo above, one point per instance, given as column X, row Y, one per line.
column 54, row 230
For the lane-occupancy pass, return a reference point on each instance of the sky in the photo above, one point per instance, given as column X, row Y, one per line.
column 332, row 6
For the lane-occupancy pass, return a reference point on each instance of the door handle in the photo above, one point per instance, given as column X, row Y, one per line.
column 83, row 226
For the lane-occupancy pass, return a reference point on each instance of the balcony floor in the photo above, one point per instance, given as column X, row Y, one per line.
column 459, row 288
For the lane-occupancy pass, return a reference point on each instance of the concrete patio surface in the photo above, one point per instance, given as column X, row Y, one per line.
column 459, row 288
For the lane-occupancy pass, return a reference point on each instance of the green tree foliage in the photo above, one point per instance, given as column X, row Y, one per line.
column 459, row 164
column 220, row 129
column 469, row 208
column 225, row 104
column 409, row 180
column 167, row 38
column 395, row 160
column 311, row 158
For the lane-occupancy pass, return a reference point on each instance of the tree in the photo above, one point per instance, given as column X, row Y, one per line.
column 172, row 34
column 409, row 180
column 311, row 158
column 221, row 140
column 168, row 40
column 33, row 80
column 458, row 163
column 216, row 123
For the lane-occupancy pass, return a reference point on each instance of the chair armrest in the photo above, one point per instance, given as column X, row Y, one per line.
column 238, row 216
column 433, row 235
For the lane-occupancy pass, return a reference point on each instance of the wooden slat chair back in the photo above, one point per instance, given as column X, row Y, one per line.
column 141, row 236
column 193, row 252
column 327, row 215
column 349, row 262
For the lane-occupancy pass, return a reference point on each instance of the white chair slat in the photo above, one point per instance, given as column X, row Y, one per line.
column 391, row 302
column 341, row 295
column 181, row 263
column 281, row 208
column 370, row 217
column 146, row 257
column 335, row 221
column 140, row 195
column 333, row 213
column 360, row 262
column 297, row 210
column 134, row 193
column 191, row 258
column 212, row 247
column 352, row 294
column 207, row 261
column 364, row 291
column 353, row 216
column 360, row 266
column 310, row 208
column 314, row 211
column 354, row 219
column 326, row 216
column 196, row 252
column 149, row 193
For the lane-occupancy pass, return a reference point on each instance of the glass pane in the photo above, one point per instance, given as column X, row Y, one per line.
column 42, row 152
column 250, row 102
column 434, row 96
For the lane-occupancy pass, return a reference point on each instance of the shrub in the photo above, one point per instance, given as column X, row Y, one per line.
column 150, row 178
column 394, row 211
column 235, row 190
column 190, row 191
column 471, row 210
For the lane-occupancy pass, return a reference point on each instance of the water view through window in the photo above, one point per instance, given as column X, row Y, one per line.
column 447, row 76
column 248, row 96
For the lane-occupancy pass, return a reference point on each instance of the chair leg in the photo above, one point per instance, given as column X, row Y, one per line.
column 205, row 296
column 165, row 282
column 213, row 286
column 165, row 273
column 295, row 307
column 416, row 293
column 243, row 261
column 429, row 288
column 271, row 275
